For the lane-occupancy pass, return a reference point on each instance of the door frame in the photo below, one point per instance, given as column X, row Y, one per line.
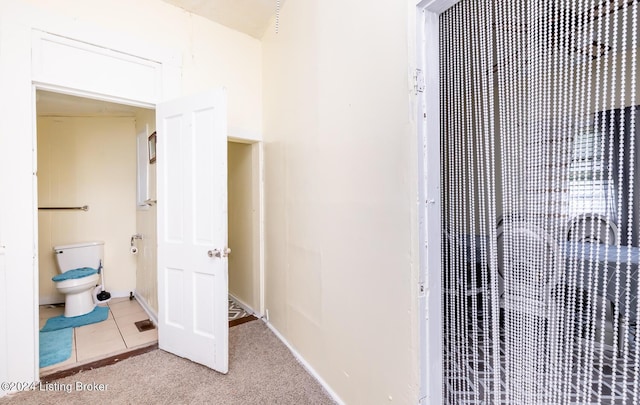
column 427, row 90
column 257, row 203
column 168, row 84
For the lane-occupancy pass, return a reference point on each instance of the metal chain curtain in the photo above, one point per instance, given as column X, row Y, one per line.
column 540, row 220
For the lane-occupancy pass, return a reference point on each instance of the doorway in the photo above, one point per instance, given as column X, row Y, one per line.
column 78, row 119
column 244, row 220
column 147, row 76
column 87, row 186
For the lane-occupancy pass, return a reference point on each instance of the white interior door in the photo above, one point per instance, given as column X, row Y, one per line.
column 192, row 228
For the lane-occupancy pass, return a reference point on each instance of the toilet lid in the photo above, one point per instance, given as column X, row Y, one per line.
column 75, row 273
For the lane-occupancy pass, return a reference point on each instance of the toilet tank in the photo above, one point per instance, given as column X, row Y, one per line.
column 77, row 255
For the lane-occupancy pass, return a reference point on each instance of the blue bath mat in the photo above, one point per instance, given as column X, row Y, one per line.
column 55, row 346
column 99, row 314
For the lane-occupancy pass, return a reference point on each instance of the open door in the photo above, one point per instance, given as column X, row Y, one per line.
column 192, row 228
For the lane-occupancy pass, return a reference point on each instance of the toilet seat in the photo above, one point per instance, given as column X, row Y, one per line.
column 75, row 282
column 75, row 274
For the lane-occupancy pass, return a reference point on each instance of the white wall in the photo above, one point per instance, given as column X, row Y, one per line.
column 209, row 55
column 341, row 194
column 87, row 161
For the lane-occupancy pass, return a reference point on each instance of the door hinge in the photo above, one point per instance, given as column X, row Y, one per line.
column 418, row 81
column 421, row 289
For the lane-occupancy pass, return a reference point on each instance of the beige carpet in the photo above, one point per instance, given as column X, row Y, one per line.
column 261, row 371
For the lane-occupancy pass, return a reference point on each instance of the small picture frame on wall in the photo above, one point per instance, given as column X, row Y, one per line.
column 152, row 148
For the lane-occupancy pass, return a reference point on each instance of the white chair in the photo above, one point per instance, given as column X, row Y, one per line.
column 527, row 259
column 594, row 228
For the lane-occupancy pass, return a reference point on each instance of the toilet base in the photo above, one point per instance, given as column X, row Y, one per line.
column 79, row 304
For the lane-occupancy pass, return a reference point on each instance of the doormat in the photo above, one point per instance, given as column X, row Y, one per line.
column 55, row 346
column 237, row 314
column 99, row 314
column 236, row 311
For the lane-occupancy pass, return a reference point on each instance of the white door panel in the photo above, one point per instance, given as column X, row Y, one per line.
column 192, row 221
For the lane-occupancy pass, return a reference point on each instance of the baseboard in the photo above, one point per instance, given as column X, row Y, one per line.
column 304, row 364
column 247, row 308
column 145, row 305
column 59, row 299
column 118, row 294
column 51, row 300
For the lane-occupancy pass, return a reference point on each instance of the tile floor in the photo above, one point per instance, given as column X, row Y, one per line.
column 470, row 378
column 116, row 334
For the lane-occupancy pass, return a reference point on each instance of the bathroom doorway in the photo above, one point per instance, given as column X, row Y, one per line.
column 89, row 155
column 87, row 191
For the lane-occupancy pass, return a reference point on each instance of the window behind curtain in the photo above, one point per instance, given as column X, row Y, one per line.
column 589, row 191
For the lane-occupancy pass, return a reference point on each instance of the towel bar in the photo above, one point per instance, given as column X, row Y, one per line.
column 83, row 208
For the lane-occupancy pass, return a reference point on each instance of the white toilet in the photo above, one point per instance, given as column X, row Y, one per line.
column 78, row 265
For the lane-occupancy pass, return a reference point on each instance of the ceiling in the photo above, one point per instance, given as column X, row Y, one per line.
column 249, row 16
column 50, row 104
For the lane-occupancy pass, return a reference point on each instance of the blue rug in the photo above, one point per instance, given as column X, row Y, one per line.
column 99, row 314
column 55, row 346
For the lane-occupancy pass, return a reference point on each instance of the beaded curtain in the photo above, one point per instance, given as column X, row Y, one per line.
column 540, row 219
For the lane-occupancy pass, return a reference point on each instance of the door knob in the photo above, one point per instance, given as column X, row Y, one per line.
column 214, row 252
column 227, row 252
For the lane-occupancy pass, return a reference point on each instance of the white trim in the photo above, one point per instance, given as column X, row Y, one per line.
column 304, row 364
column 91, row 95
column 435, row 6
column 145, row 305
column 423, row 359
column 247, row 308
column 3, row 320
column 243, row 135
column 138, row 78
column 428, row 120
column 36, row 257
column 119, row 294
column 257, row 218
column 261, row 208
